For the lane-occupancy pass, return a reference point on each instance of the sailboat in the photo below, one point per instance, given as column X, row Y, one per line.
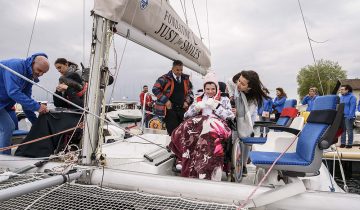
column 137, row 173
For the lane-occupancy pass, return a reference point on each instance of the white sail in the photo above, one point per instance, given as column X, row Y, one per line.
column 156, row 26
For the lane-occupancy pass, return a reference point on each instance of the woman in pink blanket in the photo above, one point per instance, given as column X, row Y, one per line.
column 197, row 142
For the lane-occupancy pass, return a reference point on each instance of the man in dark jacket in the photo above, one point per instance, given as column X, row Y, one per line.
column 174, row 95
column 14, row 89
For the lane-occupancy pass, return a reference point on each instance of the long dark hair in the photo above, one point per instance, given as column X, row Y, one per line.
column 64, row 62
column 255, row 93
column 282, row 92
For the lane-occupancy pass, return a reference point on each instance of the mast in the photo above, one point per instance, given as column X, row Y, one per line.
column 101, row 39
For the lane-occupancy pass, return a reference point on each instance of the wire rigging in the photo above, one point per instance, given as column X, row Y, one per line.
column 83, row 30
column 184, row 11
column 33, row 28
column 122, row 56
column 197, row 21
column 207, row 21
column 311, row 48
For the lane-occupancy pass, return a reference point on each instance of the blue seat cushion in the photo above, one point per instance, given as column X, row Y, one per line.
column 268, row 158
column 254, row 140
column 290, row 103
column 282, row 121
column 325, row 102
column 19, row 133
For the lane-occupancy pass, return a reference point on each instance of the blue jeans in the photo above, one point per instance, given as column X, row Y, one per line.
column 348, row 128
column 6, row 128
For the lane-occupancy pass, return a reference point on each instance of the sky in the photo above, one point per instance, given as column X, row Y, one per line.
column 267, row 36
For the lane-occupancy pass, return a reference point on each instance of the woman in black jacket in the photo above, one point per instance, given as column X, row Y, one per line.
column 70, row 87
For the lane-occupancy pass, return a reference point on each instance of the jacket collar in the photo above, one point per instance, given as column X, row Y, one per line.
column 170, row 75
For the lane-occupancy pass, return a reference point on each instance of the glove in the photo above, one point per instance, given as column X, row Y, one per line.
column 199, row 106
column 212, row 104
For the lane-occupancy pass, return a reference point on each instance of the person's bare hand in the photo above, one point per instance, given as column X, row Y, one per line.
column 186, row 105
column 168, row 104
column 61, row 87
column 43, row 109
column 233, row 110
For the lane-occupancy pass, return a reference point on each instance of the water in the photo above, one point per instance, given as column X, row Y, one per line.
column 353, row 183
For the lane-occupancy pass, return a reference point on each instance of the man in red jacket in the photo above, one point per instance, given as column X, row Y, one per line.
column 148, row 100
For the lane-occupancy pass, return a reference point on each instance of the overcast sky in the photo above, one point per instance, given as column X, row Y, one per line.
column 264, row 35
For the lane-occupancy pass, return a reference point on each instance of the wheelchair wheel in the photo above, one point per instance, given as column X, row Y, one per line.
column 237, row 160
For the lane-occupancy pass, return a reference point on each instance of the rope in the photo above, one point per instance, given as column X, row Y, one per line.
column 38, row 139
column 73, row 133
column 267, row 174
column 69, row 159
column 342, row 171
column 332, row 188
column 197, row 21
column 33, row 27
column 312, row 51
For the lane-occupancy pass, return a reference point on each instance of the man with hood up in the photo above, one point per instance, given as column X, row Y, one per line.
column 14, row 89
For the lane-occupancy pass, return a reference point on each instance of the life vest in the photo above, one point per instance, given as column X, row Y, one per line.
column 83, row 91
column 160, row 109
column 171, row 84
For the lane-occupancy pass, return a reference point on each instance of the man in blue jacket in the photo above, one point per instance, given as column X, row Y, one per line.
column 14, row 89
column 310, row 98
column 264, row 112
column 349, row 114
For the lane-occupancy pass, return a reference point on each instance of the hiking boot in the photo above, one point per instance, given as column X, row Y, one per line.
column 348, row 146
column 342, row 145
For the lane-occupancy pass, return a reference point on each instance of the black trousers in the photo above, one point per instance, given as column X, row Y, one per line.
column 173, row 118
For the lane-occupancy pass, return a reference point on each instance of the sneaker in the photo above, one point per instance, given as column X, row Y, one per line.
column 178, row 167
column 348, row 146
column 244, row 171
column 342, row 145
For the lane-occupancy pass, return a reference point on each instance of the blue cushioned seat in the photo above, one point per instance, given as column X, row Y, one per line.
column 308, row 156
column 269, row 158
column 290, row 103
column 282, row 121
column 285, row 121
column 254, row 140
column 19, row 133
column 304, row 151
